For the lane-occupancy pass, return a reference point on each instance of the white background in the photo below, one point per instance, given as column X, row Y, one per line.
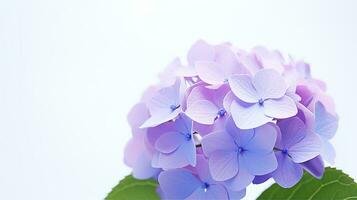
column 71, row 69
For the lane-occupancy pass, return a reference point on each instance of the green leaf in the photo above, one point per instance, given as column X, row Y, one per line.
column 133, row 189
column 334, row 185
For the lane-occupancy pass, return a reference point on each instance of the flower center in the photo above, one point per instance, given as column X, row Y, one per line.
column 174, row 107
column 284, row 151
column 188, row 136
column 221, row 112
column 261, row 102
column 205, row 186
column 240, row 149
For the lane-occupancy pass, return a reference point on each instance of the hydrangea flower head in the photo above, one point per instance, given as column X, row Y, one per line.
column 228, row 118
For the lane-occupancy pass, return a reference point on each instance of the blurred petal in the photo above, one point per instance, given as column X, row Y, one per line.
column 143, row 169
column 177, row 183
column 169, row 142
column 326, row 124
column 328, row 152
column 202, row 111
column 228, row 61
column 288, row 173
column 269, row 84
column 137, row 116
column 280, row 108
column 210, row 72
column 223, row 165
column 242, row 87
column 134, row 149
column 227, row 101
column 306, row 149
column 248, row 117
column 200, row 51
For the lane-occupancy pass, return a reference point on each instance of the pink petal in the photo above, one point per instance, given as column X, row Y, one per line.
column 210, row 72
column 201, row 51
column 223, row 165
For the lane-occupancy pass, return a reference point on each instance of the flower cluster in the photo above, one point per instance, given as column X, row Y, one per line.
column 228, row 118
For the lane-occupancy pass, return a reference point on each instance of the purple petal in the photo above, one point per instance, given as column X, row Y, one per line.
column 143, row 169
column 213, row 192
column 264, row 139
column 315, row 166
column 133, row 149
column 280, row 108
column 242, row 87
column 223, row 165
column 269, row 84
column 215, row 141
column 154, row 133
column 201, row 51
column 160, row 105
column 262, row 178
column 259, row 163
column 178, row 183
column 236, row 195
column 183, row 156
column 241, row 180
column 210, row 72
column 156, row 120
column 248, row 117
column 138, row 157
column 306, row 116
column 293, row 130
column 288, row 173
column 203, row 169
column 169, row 142
column 202, row 111
column 183, row 124
column 239, row 136
column 326, row 124
column 306, row 149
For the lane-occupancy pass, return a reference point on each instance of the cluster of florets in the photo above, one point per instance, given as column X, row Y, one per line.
column 228, row 118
